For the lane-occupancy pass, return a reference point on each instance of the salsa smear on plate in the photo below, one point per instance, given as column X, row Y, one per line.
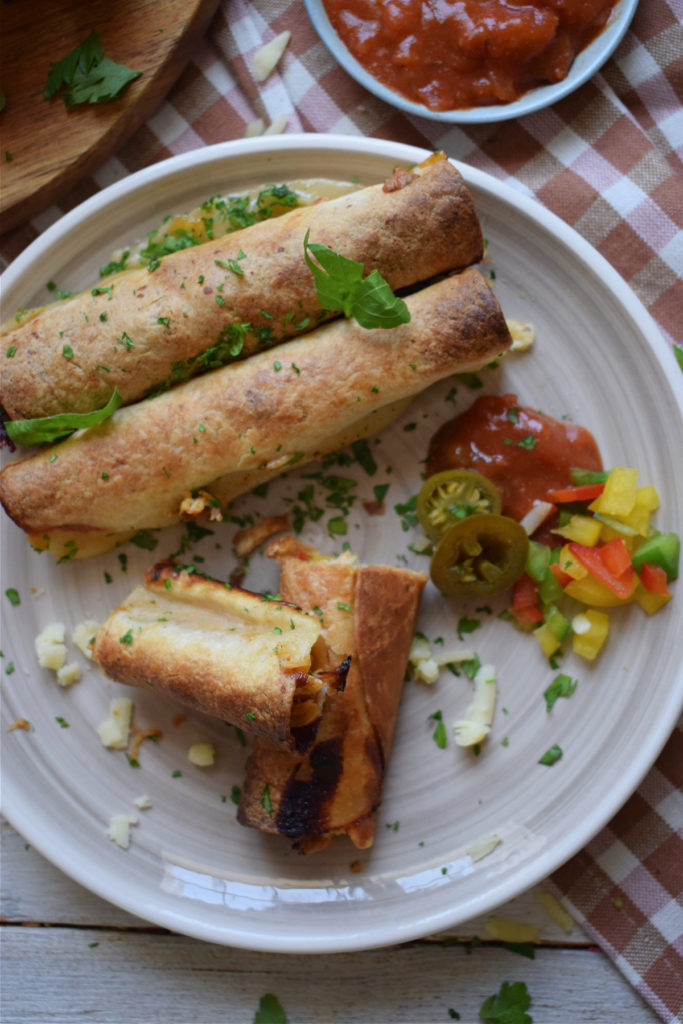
column 468, row 53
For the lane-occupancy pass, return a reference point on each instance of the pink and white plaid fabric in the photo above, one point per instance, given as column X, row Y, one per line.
column 608, row 160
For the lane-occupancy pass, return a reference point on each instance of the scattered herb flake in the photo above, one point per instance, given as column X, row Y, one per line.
column 551, row 756
column 561, row 686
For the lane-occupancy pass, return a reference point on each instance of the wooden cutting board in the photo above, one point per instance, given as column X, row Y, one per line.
column 46, row 149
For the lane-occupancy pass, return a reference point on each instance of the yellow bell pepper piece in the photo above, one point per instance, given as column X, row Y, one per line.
column 650, row 603
column 587, row 644
column 582, row 529
column 571, row 565
column 588, row 590
column 548, row 641
column 619, row 495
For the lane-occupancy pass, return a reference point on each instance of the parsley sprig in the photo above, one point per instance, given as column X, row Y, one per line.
column 85, row 75
column 340, row 285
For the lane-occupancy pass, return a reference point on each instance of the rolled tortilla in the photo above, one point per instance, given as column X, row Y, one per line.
column 336, row 788
column 264, row 414
column 241, row 657
column 141, row 330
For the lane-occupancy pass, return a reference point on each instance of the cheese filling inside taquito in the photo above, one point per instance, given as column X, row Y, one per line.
column 336, row 787
column 262, row 416
column 145, row 329
column 242, row 657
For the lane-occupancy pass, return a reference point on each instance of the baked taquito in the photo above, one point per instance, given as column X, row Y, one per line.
column 246, row 422
column 367, row 611
column 147, row 328
column 242, row 657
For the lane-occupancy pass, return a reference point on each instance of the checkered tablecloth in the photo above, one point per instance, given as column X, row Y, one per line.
column 607, row 160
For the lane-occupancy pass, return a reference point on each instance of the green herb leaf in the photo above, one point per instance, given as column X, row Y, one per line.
column 439, row 735
column 270, row 1011
column 266, row 802
column 79, row 61
column 85, row 75
column 508, row 1005
column 340, row 285
column 12, row 595
column 678, row 352
column 561, row 686
column 552, row 755
column 46, row 429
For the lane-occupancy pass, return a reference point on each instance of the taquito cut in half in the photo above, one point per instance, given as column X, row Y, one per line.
column 238, row 656
column 263, row 415
column 144, row 329
column 336, row 788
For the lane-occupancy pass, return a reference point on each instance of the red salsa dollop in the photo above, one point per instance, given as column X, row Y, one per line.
column 454, row 54
column 523, row 452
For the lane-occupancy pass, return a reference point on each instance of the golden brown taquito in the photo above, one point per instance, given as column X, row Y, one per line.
column 265, row 414
column 336, row 788
column 227, row 652
column 142, row 329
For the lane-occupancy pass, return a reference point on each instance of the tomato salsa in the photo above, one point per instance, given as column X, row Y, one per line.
column 525, row 453
column 455, row 54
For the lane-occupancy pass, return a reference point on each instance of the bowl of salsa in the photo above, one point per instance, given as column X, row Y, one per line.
column 471, row 61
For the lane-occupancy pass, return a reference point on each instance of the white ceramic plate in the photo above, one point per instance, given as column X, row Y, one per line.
column 584, row 66
column 599, row 360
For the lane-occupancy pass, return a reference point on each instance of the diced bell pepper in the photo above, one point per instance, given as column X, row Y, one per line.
column 556, row 622
column 661, row 549
column 588, row 643
column 581, row 529
column 619, row 495
column 653, row 578
column 649, row 602
column 547, row 639
column 610, row 564
column 570, row 565
column 588, row 590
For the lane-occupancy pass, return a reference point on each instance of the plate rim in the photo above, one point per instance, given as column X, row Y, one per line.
column 548, row 860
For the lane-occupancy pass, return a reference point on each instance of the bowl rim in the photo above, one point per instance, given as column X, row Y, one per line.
column 591, row 59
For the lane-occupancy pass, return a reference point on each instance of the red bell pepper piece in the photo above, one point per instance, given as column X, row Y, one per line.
column 525, row 605
column 607, row 564
column 616, row 557
column 583, row 492
column 653, row 578
column 560, row 575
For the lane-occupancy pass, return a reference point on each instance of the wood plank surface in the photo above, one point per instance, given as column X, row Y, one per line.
column 46, row 148
column 68, row 956
column 104, row 976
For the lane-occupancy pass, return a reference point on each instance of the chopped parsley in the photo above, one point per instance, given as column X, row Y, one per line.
column 561, row 686
column 439, row 735
column 551, row 756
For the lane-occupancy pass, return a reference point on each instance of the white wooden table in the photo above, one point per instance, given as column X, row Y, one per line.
column 67, row 956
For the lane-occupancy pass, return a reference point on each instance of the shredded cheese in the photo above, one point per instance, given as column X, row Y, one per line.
column 265, row 59
column 115, row 730
column 555, row 911
column 119, row 829
column 202, row 754
column 476, row 724
column 523, row 335
column 50, row 646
